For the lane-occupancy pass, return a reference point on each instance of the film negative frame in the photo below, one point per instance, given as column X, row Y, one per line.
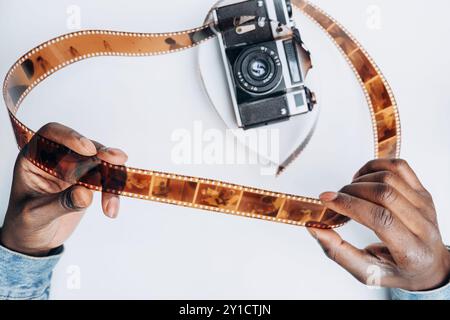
column 206, row 194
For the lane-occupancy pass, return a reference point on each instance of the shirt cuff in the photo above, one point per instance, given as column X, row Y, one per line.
column 26, row 278
column 438, row 294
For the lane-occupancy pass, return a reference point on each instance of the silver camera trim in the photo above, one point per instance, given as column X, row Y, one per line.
column 293, row 89
column 229, row 72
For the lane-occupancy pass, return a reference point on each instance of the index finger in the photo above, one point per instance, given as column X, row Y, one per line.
column 68, row 137
column 385, row 224
column 397, row 166
column 111, row 155
column 63, row 166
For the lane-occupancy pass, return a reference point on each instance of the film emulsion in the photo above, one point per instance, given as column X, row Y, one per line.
column 260, row 204
column 173, row 189
column 381, row 99
column 211, row 195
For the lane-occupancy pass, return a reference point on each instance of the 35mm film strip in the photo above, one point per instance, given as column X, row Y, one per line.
column 91, row 172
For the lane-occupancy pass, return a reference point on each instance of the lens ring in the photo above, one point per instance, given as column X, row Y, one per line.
column 258, row 70
column 261, row 59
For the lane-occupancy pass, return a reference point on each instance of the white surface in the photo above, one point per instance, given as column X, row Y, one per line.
column 159, row 251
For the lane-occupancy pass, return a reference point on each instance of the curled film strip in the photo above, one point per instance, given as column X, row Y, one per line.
column 61, row 162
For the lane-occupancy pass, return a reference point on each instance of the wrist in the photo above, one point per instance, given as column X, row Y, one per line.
column 446, row 268
column 447, row 261
column 9, row 243
column 441, row 276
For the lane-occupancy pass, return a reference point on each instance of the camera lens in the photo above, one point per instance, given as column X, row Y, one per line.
column 258, row 70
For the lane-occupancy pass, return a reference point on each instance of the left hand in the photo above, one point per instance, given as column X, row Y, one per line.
column 43, row 210
column 387, row 197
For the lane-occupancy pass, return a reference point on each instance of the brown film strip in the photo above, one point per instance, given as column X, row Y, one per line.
column 61, row 162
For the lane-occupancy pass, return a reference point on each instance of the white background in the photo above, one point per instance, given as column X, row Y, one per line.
column 156, row 251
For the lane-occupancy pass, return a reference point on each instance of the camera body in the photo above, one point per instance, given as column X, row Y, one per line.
column 264, row 60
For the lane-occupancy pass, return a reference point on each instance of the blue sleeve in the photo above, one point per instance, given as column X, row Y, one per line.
column 438, row 294
column 26, row 278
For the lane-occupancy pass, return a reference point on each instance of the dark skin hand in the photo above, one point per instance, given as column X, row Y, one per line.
column 43, row 210
column 387, row 197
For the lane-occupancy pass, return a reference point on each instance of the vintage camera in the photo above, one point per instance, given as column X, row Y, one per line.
column 264, row 60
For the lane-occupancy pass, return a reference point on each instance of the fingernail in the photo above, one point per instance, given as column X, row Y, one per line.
column 114, row 152
column 88, row 145
column 328, row 196
column 112, row 208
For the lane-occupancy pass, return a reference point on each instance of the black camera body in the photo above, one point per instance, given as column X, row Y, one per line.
column 263, row 52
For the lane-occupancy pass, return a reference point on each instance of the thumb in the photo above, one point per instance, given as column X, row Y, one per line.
column 71, row 200
column 352, row 259
column 329, row 240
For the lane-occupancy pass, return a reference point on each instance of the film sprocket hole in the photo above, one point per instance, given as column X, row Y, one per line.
column 265, row 61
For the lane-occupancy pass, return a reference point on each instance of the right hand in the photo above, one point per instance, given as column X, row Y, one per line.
column 387, row 197
column 43, row 211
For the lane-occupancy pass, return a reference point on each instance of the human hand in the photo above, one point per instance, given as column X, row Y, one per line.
column 43, row 211
column 387, row 197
